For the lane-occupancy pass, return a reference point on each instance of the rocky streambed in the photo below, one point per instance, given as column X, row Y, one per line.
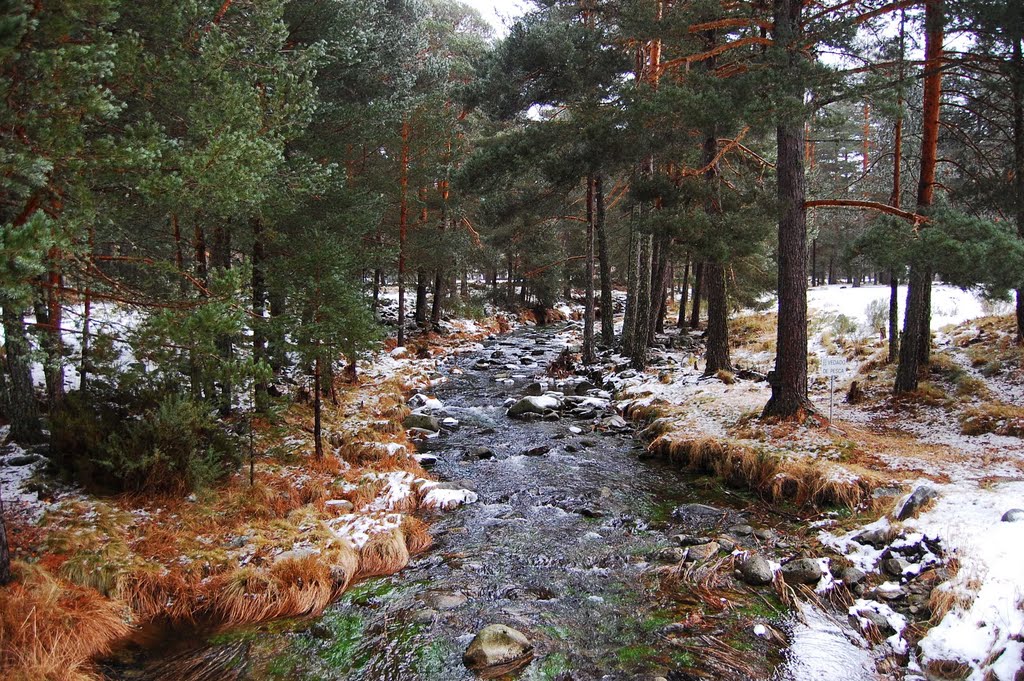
column 581, row 559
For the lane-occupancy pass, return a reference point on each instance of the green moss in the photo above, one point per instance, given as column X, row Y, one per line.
column 549, row 669
column 346, row 634
column 683, row 658
column 430, row 660
column 657, row 621
column 634, row 655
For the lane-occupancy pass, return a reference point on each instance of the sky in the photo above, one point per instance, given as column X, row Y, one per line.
column 498, row 12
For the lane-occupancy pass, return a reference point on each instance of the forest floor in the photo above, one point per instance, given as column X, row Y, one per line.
column 941, row 588
column 90, row 569
column 946, row 577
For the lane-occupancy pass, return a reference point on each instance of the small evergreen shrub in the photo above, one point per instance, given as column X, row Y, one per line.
column 176, row 445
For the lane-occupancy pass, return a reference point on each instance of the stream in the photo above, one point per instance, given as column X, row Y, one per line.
column 562, row 546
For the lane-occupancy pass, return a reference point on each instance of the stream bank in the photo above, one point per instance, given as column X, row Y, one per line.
column 578, row 539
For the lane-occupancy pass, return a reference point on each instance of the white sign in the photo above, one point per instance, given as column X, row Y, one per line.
column 833, row 365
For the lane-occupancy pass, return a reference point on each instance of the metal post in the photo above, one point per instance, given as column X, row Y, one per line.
column 831, row 392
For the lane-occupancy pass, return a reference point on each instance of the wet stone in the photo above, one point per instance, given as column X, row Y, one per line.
column 690, row 540
column 445, row 600
column 498, row 648
column 702, row 552
column 536, row 451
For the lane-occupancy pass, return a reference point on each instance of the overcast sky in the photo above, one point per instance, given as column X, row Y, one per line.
column 498, row 12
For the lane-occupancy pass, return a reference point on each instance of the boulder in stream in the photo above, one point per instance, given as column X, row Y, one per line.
column 498, row 650
column 534, row 404
column 421, row 421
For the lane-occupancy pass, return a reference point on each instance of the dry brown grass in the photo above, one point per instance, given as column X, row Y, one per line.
column 743, row 466
column 50, row 630
column 755, row 332
column 993, row 417
column 384, row 554
column 417, row 535
column 103, row 564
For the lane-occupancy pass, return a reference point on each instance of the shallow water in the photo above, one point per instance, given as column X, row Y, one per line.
column 559, row 546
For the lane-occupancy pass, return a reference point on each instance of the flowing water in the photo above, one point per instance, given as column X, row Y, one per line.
column 561, row 546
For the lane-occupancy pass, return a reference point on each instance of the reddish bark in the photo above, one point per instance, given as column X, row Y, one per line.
column 916, row 341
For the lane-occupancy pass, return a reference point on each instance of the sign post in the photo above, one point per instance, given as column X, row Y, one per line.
column 832, row 366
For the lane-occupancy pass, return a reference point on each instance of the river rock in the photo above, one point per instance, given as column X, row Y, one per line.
column 673, row 554
column 480, row 453
column 584, row 387
column 443, row 600
column 534, row 404
column 802, row 571
column 421, row 421
column 756, row 571
column 875, row 538
column 535, row 389
column 498, row 646
column 22, row 459
column 851, row 576
column 540, row 450
column 741, row 530
column 915, row 501
column 1014, row 515
column 701, row 552
column 614, row 423
column 690, row 540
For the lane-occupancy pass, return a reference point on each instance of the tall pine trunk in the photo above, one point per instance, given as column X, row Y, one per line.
column 421, row 297
column 589, row 357
column 1018, row 153
column 259, row 306
column 52, row 343
column 607, row 308
column 403, row 220
column 683, row 295
column 717, row 354
column 916, row 342
column 436, row 304
column 643, row 302
column 318, row 440
column 698, row 293
column 789, row 379
column 22, row 409
column 894, row 200
column 632, row 279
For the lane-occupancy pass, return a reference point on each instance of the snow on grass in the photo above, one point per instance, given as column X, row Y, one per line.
column 950, row 305
column 985, row 635
column 358, row 529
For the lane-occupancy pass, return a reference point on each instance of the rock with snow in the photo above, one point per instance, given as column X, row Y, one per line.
column 480, row 453
column 756, row 570
column 425, row 460
column 534, row 404
column 343, row 505
column 913, row 503
column 802, row 571
column 1014, row 515
column 421, row 421
column 445, row 495
column 875, row 537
